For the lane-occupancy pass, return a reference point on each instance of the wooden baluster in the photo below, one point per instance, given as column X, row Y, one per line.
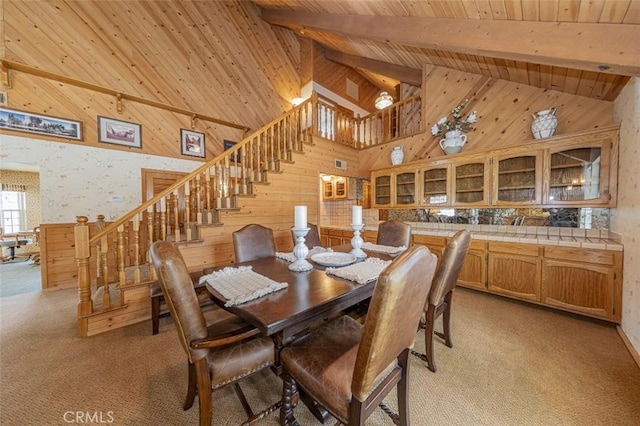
column 82, row 254
column 176, row 216
column 187, row 210
column 199, row 204
column 242, row 157
column 163, row 218
column 315, row 108
column 122, row 277
column 210, row 195
column 104, row 262
column 150, row 228
column 100, row 280
column 136, row 248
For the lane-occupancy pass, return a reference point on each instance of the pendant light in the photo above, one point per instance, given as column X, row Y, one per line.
column 384, row 100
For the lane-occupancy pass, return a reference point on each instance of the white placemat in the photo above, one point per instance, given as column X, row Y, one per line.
column 290, row 257
column 382, row 249
column 241, row 284
column 362, row 272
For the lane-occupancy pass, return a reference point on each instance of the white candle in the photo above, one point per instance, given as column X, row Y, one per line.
column 300, row 217
column 356, row 215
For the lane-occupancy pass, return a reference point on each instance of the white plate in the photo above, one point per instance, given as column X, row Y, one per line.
column 334, row 259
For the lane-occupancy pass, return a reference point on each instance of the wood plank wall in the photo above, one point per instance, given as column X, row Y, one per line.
column 504, row 114
column 333, row 76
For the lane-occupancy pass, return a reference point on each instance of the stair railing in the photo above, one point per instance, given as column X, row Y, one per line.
column 116, row 255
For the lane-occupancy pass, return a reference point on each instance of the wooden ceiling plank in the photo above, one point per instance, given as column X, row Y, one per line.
column 408, row 75
column 558, row 76
column 572, row 81
column 498, row 9
column 633, row 14
column 615, row 88
column 549, row 11
column 530, row 11
column 514, row 9
column 584, row 46
column 568, row 10
column 546, row 73
column 614, row 11
column 587, row 82
column 590, row 10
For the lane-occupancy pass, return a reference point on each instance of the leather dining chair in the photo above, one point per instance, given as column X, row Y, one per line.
column 394, row 233
column 253, row 242
column 312, row 239
column 218, row 354
column 348, row 367
column 441, row 294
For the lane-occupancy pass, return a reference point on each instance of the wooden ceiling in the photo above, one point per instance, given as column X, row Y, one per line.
column 582, row 47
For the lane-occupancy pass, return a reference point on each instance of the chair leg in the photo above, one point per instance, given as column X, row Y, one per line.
column 288, row 401
column 428, row 337
column 204, row 391
column 192, row 387
column 357, row 414
column 155, row 314
column 446, row 317
column 403, row 389
column 243, row 400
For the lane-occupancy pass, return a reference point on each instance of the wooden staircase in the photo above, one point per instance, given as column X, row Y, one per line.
column 114, row 270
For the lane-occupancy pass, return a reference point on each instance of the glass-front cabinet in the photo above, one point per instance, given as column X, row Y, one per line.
column 405, row 189
column 573, row 170
column 517, row 179
column 435, row 191
column 470, row 183
column 578, row 175
column 381, row 189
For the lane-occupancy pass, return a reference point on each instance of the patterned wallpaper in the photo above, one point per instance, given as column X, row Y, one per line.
column 78, row 180
column 625, row 219
column 32, row 196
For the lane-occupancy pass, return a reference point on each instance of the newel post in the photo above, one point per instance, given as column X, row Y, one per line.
column 83, row 252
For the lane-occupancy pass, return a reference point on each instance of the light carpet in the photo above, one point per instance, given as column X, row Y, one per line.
column 511, row 364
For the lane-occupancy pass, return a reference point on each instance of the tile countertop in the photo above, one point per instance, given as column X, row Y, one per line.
column 544, row 235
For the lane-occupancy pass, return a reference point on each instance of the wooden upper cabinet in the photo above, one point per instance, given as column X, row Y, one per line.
column 572, row 170
column 579, row 174
column 337, row 188
column 405, row 189
column 517, row 179
column 435, row 185
column 381, row 189
column 470, row 180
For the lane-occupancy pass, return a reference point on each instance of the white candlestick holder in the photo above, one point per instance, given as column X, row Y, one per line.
column 357, row 241
column 300, row 251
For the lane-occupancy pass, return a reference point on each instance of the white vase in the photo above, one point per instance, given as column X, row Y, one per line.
column 397, row 155
column 453, row 142
column 544, row 123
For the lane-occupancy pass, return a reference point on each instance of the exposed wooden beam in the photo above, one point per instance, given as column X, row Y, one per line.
column 398, row 72
column 609, row 48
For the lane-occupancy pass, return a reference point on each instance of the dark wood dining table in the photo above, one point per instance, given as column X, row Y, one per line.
column 310, row 298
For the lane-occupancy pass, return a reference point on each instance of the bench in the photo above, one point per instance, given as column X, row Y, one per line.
column 157, row 299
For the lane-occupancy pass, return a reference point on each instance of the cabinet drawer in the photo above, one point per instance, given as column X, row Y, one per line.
column 601, row 257
column 514, row 248
column 335, row 232
column 429, row 240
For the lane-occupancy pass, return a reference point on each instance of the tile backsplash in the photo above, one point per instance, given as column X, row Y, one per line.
column 338, row 213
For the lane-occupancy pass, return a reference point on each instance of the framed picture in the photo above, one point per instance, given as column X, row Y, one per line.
column 192, row 143
column 119, row 132
column 41, row 124
column 231, row 144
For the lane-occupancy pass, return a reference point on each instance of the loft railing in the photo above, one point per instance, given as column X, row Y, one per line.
column 113, row 257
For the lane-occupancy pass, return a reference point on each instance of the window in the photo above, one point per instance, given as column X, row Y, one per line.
column 14, row 212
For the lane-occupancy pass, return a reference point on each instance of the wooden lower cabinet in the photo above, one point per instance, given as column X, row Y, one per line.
column 333, row 237
column 514, row 270
column 589, row 283
column 474, row 270
column 433, row 243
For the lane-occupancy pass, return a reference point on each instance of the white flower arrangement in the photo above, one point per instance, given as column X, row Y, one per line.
column 457, row 123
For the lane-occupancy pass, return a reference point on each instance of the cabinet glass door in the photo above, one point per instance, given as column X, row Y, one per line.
column 382, row 190
column 340, row 187
column 517, row 181
column 575, row 175
column 434, row 186
column 470, row 183
column 327, row 190
column 406, row 188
